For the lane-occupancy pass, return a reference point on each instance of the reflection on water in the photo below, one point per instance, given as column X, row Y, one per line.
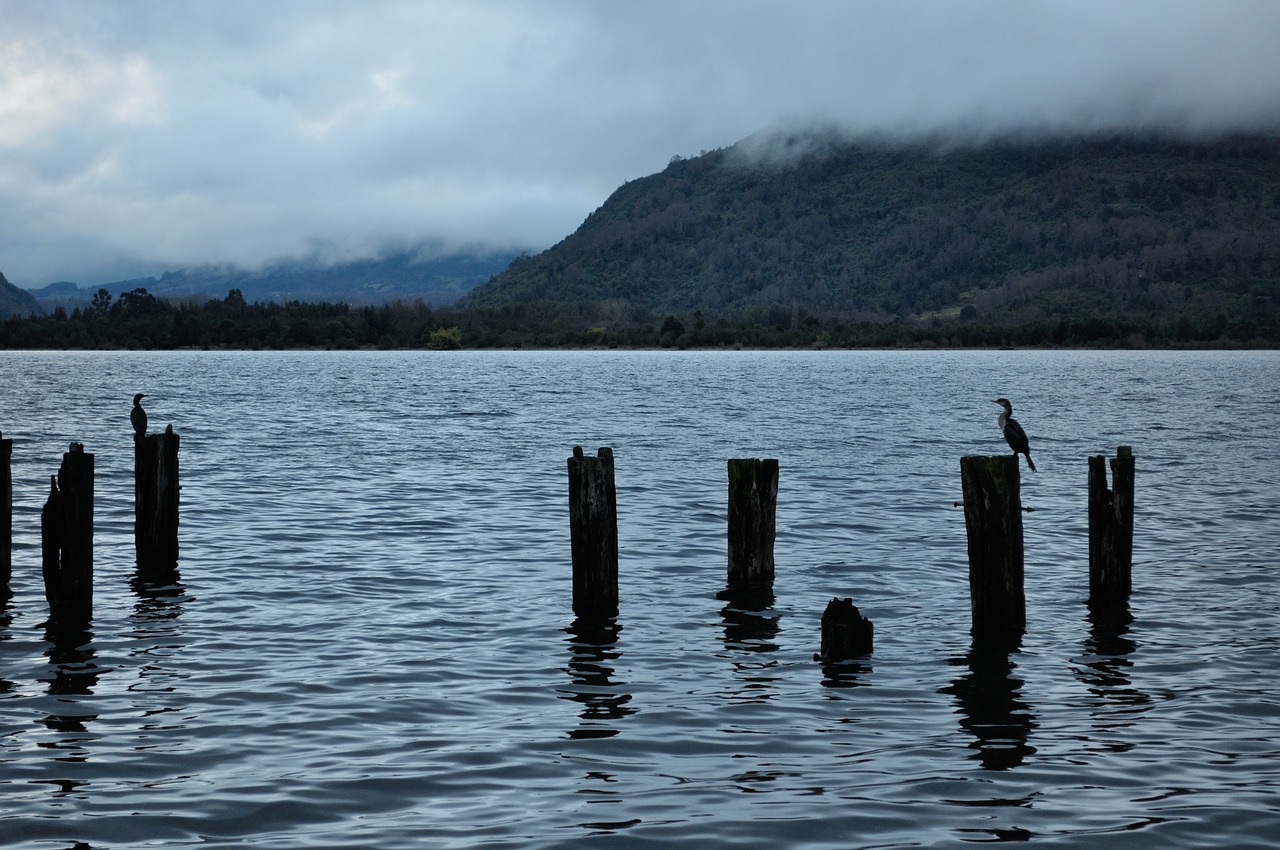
column 990, row 706
column 71, row 655
column 75, row 674
column 848, row 673
column 161, row 598
column 751, row 627
column 591, row 653
column 1104, row 668
column 6, row 618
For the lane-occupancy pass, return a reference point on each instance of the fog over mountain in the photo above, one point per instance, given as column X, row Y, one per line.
column 141, row 137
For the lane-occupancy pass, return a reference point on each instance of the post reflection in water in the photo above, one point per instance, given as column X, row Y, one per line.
column 591, row 651
column 751, row 626
column 1104, row 669
column 74, row 675
column 6, row 619
column 990, row 705
column 161, row 598
column 845, row 674
column 155, row 629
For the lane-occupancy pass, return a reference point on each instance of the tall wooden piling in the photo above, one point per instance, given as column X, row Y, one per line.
column 993, row 522
column 66, row 536
column 156, row 488
column 1111, row 529
column 593, row 527
column 6, row 513
column 753, row 500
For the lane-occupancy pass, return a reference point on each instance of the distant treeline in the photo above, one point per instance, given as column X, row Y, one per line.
column 139, row 320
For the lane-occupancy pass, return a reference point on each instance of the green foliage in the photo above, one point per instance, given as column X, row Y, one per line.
column 446, row 339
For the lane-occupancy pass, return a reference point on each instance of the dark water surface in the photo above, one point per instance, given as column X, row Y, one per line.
column 371, row 642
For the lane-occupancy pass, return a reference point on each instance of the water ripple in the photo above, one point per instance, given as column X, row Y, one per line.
column 369, row 641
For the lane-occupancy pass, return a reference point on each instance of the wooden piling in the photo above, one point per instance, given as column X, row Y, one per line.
column 593, row 527
column 6, row 514
column 156, row 488
column 993, row 522
column 753, row 500
column 66, row 536
column 845, row 632
column 1111, row 529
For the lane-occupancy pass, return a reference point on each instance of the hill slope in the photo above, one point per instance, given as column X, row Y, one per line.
column 15, row 301
column 404, row 276
column 1008, row 232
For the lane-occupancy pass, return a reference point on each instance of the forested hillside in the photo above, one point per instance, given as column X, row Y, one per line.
column 437, row 279
column 1132, row 230
column 15, row 301
column 808, row 240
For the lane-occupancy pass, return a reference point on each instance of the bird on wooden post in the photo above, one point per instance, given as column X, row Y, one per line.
column 138, row 417
column 1013, row 433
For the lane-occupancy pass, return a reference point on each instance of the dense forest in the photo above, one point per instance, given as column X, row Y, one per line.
column 816, row 241
column 139, row 320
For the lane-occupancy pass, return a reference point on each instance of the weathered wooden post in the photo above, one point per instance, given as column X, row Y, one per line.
column 593, row 527
column 753, row 500
column 993, row 521
column 155, row 527
column 845, row 632
column 1111, row 529
column 66, row 537
column 51, row 546
column 6, row 514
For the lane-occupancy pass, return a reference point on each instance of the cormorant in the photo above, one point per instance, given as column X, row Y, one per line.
column 138, row 416
column 1013, row 433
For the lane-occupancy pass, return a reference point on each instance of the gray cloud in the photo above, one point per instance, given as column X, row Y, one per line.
column 141, row 136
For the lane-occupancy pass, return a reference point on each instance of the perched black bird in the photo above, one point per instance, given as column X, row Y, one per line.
column 138, row 416
column 1013, row 433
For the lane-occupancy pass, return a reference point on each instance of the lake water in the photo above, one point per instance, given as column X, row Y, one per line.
column 371, row 643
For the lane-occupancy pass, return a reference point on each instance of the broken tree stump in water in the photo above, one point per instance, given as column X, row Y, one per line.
column 66, row 537
column 156, row 488
column 6, row 514
column 845, row 632
column 1111, row 529
column 993, row 522
column 593, row 527
column 753, row 501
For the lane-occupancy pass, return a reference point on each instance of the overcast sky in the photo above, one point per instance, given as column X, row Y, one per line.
column 137, row 137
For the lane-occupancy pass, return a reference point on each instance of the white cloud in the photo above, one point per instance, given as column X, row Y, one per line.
column 146, row 136
column 44, row 91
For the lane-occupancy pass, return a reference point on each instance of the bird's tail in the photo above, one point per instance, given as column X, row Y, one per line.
column 1030, row 462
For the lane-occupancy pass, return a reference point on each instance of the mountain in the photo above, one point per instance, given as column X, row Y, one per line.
column 1012, row 231
column 402, row 276
column 15, row 301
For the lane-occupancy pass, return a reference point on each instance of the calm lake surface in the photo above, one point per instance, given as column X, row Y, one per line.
column 371, row 645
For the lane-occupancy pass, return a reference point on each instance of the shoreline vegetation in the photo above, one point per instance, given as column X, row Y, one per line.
column 138, row 320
